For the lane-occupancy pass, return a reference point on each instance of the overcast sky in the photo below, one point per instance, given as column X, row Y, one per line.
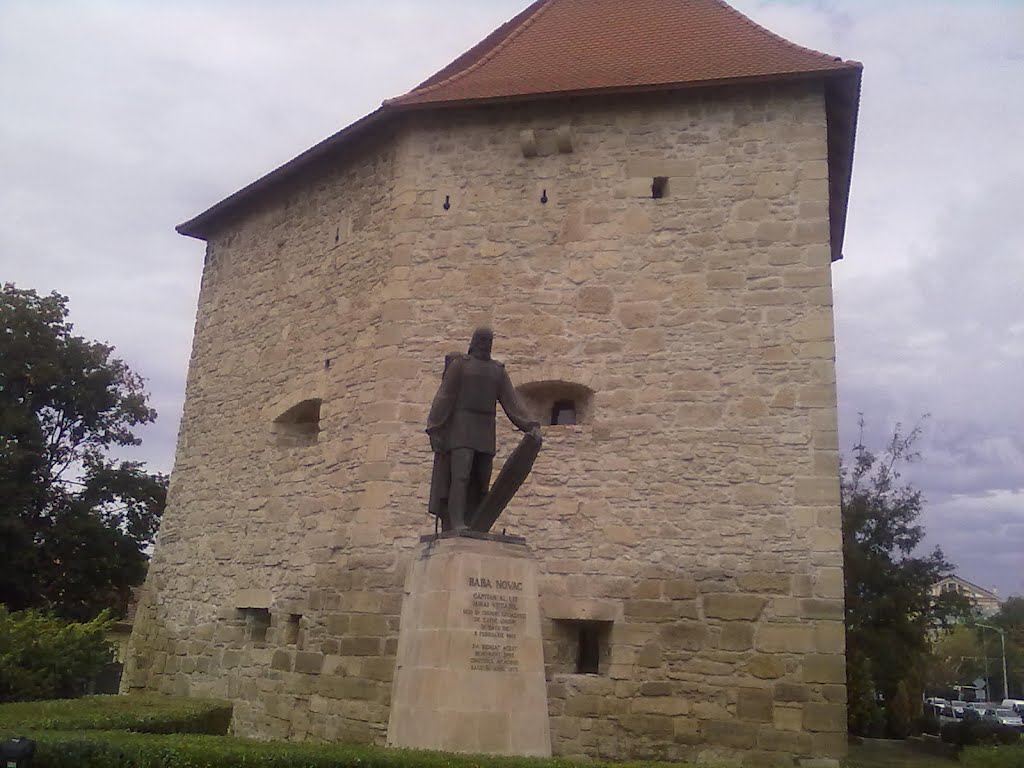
column 119, row 120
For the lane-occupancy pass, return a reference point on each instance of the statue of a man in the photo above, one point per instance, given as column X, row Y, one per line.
column 461, row 429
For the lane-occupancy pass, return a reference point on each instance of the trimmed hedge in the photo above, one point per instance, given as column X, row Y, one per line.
column 97, row 749
column 992, row 757
column 974, row 733
column 143, row 713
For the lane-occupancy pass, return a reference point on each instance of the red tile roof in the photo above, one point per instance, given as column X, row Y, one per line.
column 561, row 47
column 558, row 46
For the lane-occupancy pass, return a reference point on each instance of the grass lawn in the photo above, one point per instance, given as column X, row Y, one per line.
column 896, row 756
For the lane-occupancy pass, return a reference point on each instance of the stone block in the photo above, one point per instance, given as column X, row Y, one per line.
column 309, row 663
column 784, row 740
column 788, row 718
column 672, row 706
column 754, row 704
column 359, row 646
column 580, row 609
column 650, row 726
column 649, row 656
column 829, row 637
column 687, row 731
column 816, row 490
column 736, row 636
column 282, row 660
column 828, row 745
column 819, row 608
column 648, row 589
column 824, row 668
column 791, row 692
column 656, row 688
column 652, row 610
column 733, row 607
column 772, row 583
column 595, row 300
column 368, row 624
column 684, row 635
column 730, row 733
column 638, row 314
column 253, row 598
column 826, row 540
column 680, row 589
column 825, row 717
column 785, row 638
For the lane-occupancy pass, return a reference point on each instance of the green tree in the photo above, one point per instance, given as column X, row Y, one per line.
column 957, row 658
column 43, row 657
column 74, row 522
column 1011, row 619
column 890, row 611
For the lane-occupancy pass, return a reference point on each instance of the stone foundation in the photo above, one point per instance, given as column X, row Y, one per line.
column 470, row 669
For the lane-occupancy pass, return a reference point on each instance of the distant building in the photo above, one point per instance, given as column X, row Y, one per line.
column 984, row 600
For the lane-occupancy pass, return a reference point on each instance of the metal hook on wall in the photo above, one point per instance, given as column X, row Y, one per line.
column 447, row 203
column 544, row 197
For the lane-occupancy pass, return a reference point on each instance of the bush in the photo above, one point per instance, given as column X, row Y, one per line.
column 146, row 714
column 978, row 733
column 42, row 657
column 928, row 723
column 898, row 716
column 97, row 749
column 992, row 757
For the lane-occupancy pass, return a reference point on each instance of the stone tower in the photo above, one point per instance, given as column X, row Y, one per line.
column 644, row 200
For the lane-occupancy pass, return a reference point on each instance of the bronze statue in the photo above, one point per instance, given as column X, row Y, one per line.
column 461, row 429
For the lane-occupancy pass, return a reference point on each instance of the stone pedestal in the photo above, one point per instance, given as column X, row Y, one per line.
column 470, row 667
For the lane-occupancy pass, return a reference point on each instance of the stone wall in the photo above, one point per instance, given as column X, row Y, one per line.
column 692, row 514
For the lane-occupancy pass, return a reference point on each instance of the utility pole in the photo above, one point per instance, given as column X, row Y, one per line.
column 1002, row 640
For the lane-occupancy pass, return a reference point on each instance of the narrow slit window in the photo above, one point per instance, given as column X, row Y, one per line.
column 588, row 659
column 563, row 412
column 659, row 187
column 291, row 629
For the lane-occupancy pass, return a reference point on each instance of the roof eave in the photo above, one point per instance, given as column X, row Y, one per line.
column 201, row 226
column 842, row 106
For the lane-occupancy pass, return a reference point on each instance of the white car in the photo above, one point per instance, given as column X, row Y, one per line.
column 1017, row 705
column 1004, row 717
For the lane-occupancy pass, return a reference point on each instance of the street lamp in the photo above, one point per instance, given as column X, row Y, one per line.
column 1002, row 640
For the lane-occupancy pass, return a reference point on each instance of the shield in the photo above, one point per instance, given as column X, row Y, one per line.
column 511, row 477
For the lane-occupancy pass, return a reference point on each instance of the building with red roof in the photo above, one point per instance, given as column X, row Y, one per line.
column 644, row 199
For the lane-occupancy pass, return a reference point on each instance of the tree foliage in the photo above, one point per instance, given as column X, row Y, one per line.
column 74, row 522
column 42, row 657
column 890, row 610
column 1010, row 619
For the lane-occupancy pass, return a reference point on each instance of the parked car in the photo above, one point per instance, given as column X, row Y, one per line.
column 947, row 711
column 1017, row 705
column 958, row 708
column 1004, row 716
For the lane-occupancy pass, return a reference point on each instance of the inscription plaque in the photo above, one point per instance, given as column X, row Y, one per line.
column 470, row 669
column 498, row 620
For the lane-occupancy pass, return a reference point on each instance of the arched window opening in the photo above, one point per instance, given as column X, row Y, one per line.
column 298, row 426
column 558, row 403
